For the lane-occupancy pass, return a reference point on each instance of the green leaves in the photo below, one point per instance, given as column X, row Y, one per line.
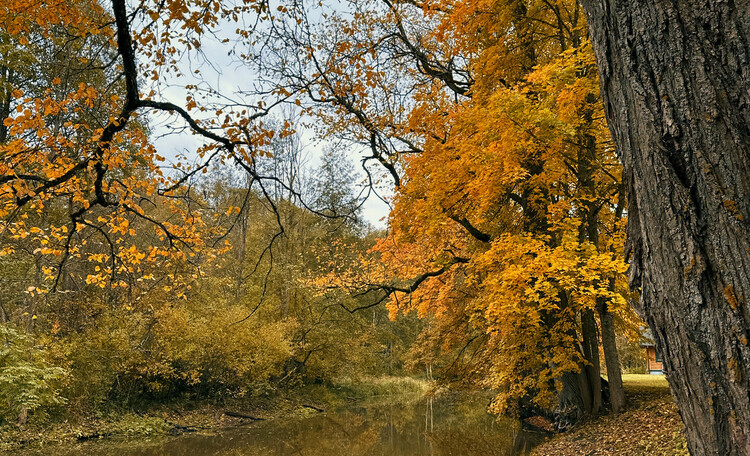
column 27, row 380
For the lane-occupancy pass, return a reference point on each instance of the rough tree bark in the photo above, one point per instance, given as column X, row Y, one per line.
column 675, row 78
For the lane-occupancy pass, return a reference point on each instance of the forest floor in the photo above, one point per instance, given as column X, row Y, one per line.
column 203, row 415
column 650, row 426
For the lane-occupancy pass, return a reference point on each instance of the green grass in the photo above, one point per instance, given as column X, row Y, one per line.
column 347, row 390
column 644, row 381
column 384, row 386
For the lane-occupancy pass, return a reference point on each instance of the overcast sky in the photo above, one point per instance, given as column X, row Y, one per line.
column 225, row 75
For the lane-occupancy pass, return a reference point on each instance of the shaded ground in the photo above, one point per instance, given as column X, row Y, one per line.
column 651, row 426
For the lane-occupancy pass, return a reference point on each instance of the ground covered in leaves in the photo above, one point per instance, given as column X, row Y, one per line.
column 651, row 426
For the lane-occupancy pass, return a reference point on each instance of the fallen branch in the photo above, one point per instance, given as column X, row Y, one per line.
column 242, row 415
column 320, row 410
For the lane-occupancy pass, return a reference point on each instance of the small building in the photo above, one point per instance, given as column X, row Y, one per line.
column 653, row 359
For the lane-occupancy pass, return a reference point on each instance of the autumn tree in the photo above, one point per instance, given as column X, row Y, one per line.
column 504, row 173
column 674, row 83
column 114, row 235
column 77, row 142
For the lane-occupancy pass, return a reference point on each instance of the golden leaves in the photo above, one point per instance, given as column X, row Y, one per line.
column 504, row 179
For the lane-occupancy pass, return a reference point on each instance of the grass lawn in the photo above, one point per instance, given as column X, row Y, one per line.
column 650, row 426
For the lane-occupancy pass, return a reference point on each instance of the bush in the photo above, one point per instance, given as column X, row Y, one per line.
column 28, row 382
column 204, row 348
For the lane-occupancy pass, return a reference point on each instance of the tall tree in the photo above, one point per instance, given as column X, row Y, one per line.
column 508, row 180
column 674, row 76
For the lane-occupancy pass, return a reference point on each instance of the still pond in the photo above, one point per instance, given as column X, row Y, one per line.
column 435, row 427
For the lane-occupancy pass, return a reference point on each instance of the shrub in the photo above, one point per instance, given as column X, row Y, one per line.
column 28, row 382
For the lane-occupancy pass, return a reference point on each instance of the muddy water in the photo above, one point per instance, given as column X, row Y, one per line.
column 448, row 426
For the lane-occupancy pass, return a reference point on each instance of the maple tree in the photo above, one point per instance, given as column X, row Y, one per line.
column 508, row 216
column 650, row 115
column 75, row 141
column 130, row 298
column 118, row 244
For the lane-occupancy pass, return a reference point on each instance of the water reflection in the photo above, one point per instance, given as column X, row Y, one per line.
column 447, row 426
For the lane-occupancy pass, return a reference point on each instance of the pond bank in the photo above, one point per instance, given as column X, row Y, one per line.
column 375, row 425
column 650, row 426
column 393, row 407
column 188, row 417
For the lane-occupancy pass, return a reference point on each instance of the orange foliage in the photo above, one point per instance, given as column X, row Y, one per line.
column 507, row 224
column 73, row 143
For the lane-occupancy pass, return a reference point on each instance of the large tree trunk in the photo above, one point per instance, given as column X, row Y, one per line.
column 675, row 77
